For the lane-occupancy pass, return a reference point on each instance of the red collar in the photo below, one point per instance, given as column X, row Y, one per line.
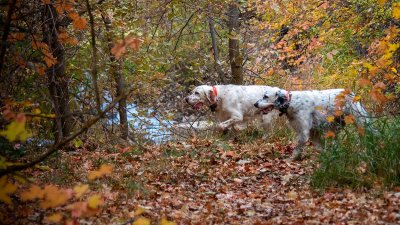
column 288, row 96
column 215, row 91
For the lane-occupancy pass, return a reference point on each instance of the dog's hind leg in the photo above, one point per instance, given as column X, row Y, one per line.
column 315, row 137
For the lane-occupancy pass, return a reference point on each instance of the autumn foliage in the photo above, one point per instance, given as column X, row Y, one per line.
column 89, row 91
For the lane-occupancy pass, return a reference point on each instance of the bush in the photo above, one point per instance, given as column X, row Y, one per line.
column 360, row 160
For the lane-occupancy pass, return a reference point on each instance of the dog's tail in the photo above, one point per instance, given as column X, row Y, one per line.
column 363, row 118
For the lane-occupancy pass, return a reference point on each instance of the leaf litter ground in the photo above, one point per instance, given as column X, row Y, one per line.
column 208, row 182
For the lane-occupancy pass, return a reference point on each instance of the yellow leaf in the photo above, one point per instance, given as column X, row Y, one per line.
column 139, row 211
column 330, row 134
column 54, row 218
column 95, row 201
column 330, row 119
column 79, row 190
column 54, row 196
column 166, row 222
column 382, row 2
column 16, row 130
column 141, row 221
column 318, row 108
column 104, row 170
column 6, row 188
column 33, row 193
column 356, row 98
column 396, row 10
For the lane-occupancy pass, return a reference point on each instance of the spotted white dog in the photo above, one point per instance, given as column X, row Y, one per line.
column 233, row 104
column 307, row 111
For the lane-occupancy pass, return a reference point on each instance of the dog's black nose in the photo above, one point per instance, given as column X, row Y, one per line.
column 256, row 104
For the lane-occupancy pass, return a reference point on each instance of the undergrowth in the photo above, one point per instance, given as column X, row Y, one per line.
column 361, row 160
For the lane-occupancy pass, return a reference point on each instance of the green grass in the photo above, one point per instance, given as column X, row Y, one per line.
column 362, row 161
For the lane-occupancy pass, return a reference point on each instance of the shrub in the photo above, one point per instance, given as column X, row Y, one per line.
column 359, row 160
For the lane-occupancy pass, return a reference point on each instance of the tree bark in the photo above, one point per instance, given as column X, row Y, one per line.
column 120, row 82
column 235, row 58
column 58, row 81
column 214, row 44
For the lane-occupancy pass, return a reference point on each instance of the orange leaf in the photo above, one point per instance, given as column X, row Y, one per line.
column 120, row 48
column 54, row 197
column 361, row 131
column 349, row 119
column 330, row 134
column 33, row 193
column 104, row 170
column 6, row 188
column 376, row 93
column 40, row 69
column 338, row 112
column 50, row 60
column 78, row 22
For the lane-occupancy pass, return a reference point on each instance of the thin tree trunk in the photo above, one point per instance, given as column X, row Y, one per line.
column 214, row 44
column 94, row 57
column 58, row 81
column 235, row 58
column 3, row 45
column 120, row 83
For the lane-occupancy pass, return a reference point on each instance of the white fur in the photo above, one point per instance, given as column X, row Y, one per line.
column 235, row 104
column 308, row 110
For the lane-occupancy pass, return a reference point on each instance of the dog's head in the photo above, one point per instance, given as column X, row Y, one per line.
column 273, row 98
column 200, row 96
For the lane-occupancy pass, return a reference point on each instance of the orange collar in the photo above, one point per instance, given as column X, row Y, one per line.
column 215, row 91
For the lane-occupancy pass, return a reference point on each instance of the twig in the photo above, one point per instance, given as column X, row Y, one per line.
column 184, row 26
column 57, row 146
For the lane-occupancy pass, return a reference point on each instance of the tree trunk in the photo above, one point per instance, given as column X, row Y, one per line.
column 235, row 58
column 214, row 44
column 120, row 82
column 58, row 81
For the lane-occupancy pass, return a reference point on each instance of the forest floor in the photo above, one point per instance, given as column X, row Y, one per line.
column 209, row 182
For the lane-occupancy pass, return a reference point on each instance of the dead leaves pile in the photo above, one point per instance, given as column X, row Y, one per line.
column 203, row 180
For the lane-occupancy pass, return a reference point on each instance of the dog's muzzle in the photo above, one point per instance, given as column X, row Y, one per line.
column 264, row 107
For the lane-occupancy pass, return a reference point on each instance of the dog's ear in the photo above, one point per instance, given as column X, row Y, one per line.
column 281, row 98
column 211, row 96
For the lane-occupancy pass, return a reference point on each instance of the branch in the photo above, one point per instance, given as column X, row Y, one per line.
column 181, row 30
column 6, row 30
column 57, row 146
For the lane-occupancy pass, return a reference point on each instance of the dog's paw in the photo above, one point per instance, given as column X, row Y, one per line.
column 296, row 155
column 222, row 127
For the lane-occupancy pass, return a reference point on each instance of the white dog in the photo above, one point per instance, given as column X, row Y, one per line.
column 307, row 111
column 233, row 104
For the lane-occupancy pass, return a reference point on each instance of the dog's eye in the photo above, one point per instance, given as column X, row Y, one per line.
column 265, row 96
column 196, row 93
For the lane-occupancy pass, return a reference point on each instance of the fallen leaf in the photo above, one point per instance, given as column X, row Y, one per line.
column 54, row 218
column 141, row 221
